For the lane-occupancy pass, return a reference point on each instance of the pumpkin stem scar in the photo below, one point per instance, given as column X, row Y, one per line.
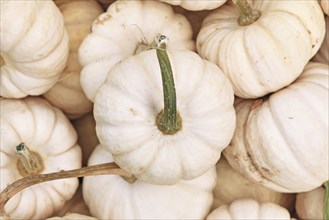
column 247, row 14
column 326, row 202
column 29, row 162
column 168, row 120
column 100, row 169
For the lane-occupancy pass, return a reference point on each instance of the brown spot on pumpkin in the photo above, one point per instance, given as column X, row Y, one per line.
column 133, row 111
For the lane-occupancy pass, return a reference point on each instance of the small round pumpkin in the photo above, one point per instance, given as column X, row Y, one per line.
column 51, row 146
column 249, row 209
column 122, row 31
column 129, row 105
column 113, row 197
column 34, row 47
column 67, row 94
column 266, row 46
column 281, row 141
column 196, row 5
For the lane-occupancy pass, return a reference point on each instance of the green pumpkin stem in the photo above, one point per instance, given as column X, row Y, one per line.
column 326, row 202
column 247, row 14
column 168, row 120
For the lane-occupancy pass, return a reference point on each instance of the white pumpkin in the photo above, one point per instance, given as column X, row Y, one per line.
column 281, row 141
column 309, row 205
column 75, row 205
column 52, row 139
column 129, row 104
column 231, row 186
column 113, row 197
column 73, row 216
column 322, row 55
column 121, row 31
column 196, row 5
column 67, row 94
column 265, row 55
column 249, row 209
column 34, row 47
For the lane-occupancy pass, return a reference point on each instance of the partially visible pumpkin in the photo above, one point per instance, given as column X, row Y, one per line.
column 196, row 5
column 322, row 55
column 249, row 209
column 281, row 141
column 87, row 137
column 33, row 48
column 52, row 141
column 75, row 205
column 113, row 197
column 231, row 186
column 67, row 94
column 325, row 6
column 123, row 30
column 263, row 54
column 73, row 216
column 309, row 205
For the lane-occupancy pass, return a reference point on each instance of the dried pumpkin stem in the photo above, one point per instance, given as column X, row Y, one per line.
column 31, row 162
column 168, row 120
column 247, row 14
column 100, row 169
column 326, row 202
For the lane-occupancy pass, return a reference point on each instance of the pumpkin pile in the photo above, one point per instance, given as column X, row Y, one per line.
column 164, row 109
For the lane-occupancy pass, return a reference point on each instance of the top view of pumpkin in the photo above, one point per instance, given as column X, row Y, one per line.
column 262, row 46
column 34, row 47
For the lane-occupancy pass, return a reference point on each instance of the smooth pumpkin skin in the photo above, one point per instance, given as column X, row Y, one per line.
column 309, row 205
column 196, row 5
column 118, row 32
column 46, row 131
column 67, row 94
column 249, row 209
column 128, row 103
column 268, row 54
column 231, row 186
column 112, row 197
column 322, row 55
column 281, row 142
column 34, row 47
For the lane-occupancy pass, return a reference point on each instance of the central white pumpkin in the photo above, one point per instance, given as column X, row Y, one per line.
column 128, row 103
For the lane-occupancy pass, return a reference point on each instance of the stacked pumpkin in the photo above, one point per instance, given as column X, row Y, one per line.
column 228, row 115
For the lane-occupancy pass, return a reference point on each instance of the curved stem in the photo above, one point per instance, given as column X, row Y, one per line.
column 12, row 189
column 326, row 202
column 247, row 14
column 168, row 120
